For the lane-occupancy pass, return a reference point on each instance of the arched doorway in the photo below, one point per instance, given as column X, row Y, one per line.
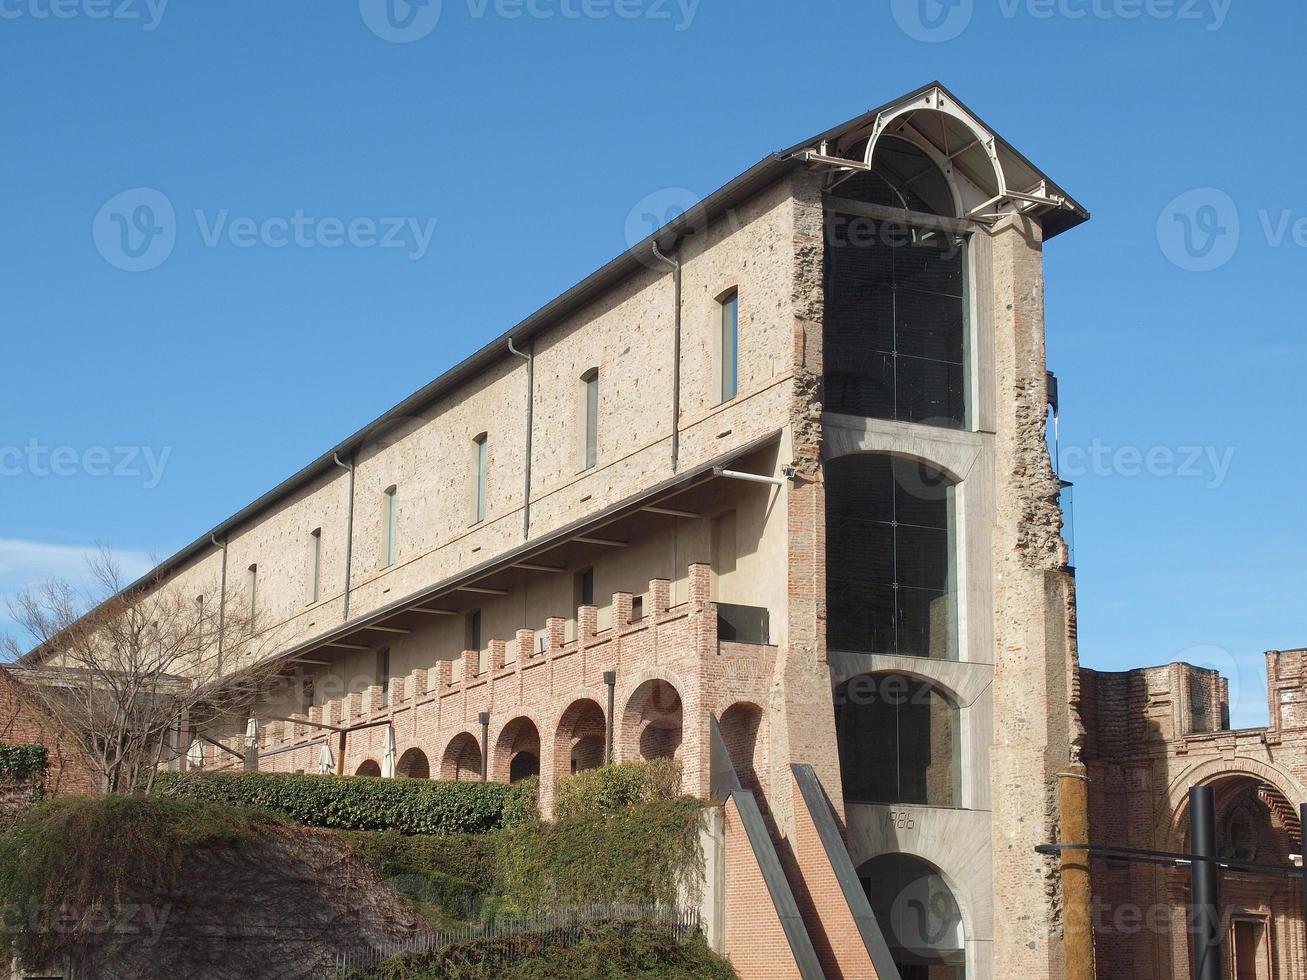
column 579, row 741
column 918, row 915
column 517, row 752
column 413, row 764
column 369, row 767
column 898, row 740
column 652, row 724
column 462, row 759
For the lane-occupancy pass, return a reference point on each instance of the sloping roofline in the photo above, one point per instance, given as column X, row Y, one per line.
column 765, row 172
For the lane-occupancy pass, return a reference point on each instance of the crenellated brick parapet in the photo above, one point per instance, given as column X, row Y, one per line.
column 547, row 699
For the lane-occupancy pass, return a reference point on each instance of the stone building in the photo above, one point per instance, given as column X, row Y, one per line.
column 769, row 493
column 1153, row 733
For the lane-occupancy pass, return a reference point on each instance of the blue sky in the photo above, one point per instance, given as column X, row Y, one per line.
column 513, row 140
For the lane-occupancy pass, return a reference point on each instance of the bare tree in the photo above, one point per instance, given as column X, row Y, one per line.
column 126, row 669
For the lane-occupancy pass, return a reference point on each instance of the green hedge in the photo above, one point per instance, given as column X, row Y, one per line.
column 19, row 763
column 615, row 787
column 612, row 952
column 409, row 806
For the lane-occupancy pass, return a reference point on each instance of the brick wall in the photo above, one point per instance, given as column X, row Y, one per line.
column 1153, row 733
column 24, row 721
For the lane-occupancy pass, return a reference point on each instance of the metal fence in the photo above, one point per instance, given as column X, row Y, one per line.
column 561, row 927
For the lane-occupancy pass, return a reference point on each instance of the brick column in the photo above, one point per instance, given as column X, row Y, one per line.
column 471, row 664
column 555, row 634
column 660, row 597
column 417, row 682
column 801, row 711
column 1035, row 720
column 622, row 610
column 587, row 623
column 526, row 645
column 700, row 584
column 444, row 674
column 498, row 652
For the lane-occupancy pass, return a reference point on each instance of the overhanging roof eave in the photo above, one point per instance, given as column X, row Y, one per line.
column 530, row 549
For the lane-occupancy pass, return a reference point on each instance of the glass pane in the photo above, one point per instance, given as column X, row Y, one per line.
column 592, row 421
column 730, row 347
column 930, row 392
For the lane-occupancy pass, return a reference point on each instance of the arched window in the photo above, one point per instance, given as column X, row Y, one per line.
column 918, row 916
column 891, row 582
column 898, row 742
column 895, row 321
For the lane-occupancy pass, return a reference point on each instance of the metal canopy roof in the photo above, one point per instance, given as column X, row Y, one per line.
column 1018, row 173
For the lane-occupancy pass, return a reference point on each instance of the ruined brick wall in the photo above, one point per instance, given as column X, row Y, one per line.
column 24, row 721
column 1153, row 733
column 1034, row 713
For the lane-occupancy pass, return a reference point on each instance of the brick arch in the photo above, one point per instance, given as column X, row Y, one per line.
column 653, row 722
column 413, row 764
column 369, row 767
column 517, row 750
column 461, row 761
column 580, row 737
column 744, row 729
column 1216, row 771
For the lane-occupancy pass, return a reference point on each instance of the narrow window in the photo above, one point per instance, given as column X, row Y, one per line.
column 730, row 346
column 637, row 608
column 590, row 381
column 315, row 564
column 482, row 461
column 585, row 588
column 383, row 673
column 473, row 621
column 392, row 524
column 252, row 585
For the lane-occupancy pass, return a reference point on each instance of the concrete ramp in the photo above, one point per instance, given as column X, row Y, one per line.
column 843, row 929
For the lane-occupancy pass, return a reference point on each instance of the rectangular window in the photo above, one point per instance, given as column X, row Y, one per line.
column 637, row 608
column 591, row 419
column 392, row 525
column 482, row 462
column 383, row 673
column 315, row 564
column 585, row 588
column 473, row 638
column 730, row 346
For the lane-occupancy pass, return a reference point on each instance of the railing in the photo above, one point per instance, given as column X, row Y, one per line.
column 563, row 927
